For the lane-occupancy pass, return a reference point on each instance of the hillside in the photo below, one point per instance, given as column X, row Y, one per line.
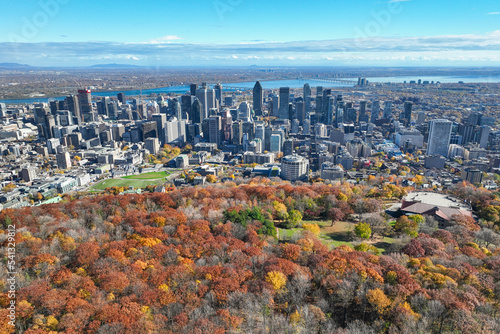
column 207, row 260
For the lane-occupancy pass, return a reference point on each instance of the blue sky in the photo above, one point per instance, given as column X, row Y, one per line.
column 245, row 32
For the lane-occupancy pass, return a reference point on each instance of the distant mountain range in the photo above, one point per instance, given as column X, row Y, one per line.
column 13, row 66
column 114, row 65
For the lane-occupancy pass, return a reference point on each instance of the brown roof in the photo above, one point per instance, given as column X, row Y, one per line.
column 429, row 209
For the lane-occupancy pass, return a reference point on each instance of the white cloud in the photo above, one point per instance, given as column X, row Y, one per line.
column 393, row 1
column 494, row 13
column 164, row 39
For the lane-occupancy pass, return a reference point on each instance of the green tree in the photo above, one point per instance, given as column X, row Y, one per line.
column 363, row 230
column 407, row 226
column 293, row 219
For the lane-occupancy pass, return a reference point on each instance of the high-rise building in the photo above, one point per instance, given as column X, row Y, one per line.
column 258, row 99
column 362, row 111
column 294, row 167
column 214, row 130
column 307, row 99
column 74, row 107
column 122, row 98
column 218, row 94
column 284, row 107
column 201, row 95
column 439, row 137
column 85, row 100
column 275, row 141
column 152, row 145
column 160, row 120
column 197, row 113
column 375, row 111
column 244, row 112
column 387, row 109
column 175, row 131
column 186, row 104
column 237, row 132
column 63, row 160
column 405, row 116
column 192, row 89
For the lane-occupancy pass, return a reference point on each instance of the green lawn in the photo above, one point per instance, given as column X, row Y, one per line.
column 148, row 176
column 125, row 183
column 336, row 235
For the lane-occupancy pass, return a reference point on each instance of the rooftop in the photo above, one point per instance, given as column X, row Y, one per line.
column 436, row 199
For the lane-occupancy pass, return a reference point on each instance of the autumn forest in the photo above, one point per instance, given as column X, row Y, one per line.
column 212, row 260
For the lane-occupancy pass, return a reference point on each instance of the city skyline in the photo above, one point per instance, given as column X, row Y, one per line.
column 223, row 32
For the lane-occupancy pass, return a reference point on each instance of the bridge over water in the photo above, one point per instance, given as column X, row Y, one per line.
column 343, row 81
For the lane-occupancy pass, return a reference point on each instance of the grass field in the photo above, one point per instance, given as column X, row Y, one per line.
column 125, row 183
column 338, row 234
column 148, row 176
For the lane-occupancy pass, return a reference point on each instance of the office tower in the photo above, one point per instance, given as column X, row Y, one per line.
column 175, row 131
column 201, row 95
column 214, row 130
column 227, row 125
column 275, row 141
column 351, row 115
column 152, row 145
column 193, row 88
column 186, row 104
column 405, row 116
column 387, row 110
column 149, row 130
column 319, row 91
column 439, row 137
column 211, row 101
column 85, row 100
column 307, row 98
column 284, row 103
column 258, row 99
column 63, row 158
column 294, row 167
column 330, row 114
column 275, row 101
column 218, row 94
column 244, row 112
column 160, row 120
column 54, row 106
column 237, row 132
column 375, row 111
column 295, row 126
column 117, row 131
column 260, row 133
column 339, row 111
column 483, row 135
column 362, row 111
column 300, row 110
column 122, row 98
column 74, row 107
column 319, row 107
column 197, row 114
column 49, row 125
column 474, row 119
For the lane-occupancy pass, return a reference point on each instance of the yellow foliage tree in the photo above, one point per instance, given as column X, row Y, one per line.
column 378, row 300
column 313, row 228
column 276, row 279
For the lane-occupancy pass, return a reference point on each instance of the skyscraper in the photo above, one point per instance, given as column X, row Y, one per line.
column 258, row 98
column 122, row 98
column 197, row 113
column 192, row 89
column 218, row 94
column 439, row 137
column 284, row 103
column 160, row 120
column 275, row 143
column 405, row 116
column 362, row 111
column 375, row 111
column 74, row 107
column 214, row 130
column 387, row 109
column 201, row 94
column 307, row 98
column 85, row 100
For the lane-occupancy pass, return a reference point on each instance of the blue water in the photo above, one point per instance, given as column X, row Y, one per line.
column 275, row 84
